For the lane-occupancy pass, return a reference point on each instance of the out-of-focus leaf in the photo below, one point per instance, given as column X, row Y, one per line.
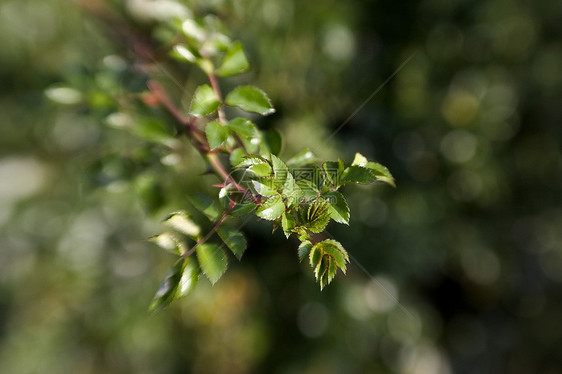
column 234, row 61
column 189, row 278
column 243, row 127
column 167, row 290
column 250, row 99
column 181, row 222
column 213, row 261
column 169, row 241
column 303, row 158
column 216, row 134
column 273, row 141
column 204, row 101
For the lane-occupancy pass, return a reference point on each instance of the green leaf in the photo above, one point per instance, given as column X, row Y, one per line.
column 185, row 53
column 359, row 160
column 167, row 290
column 379, row 171
column 241, row 209
column 204, row 101
column 357, row 174
column 216, row 134
column 234, row 61
column 213, row 261
column 303, row 158
column 333, row 171
column 304, row 249
column 315, row 256
column 189, row 278
column 334, row 249
column 273, row 141
column 288, row 223
column 181, row 222
column 243, row 127
column 206, row 205
column 170, row 242
column 250, row 99
column 271, row 209
column 261, row 170
column 314, row 216
column 153, row 130
column 234, row 240
column 251, row 160
column 265, row 188
column 236, row 156
column 339, row 211
column 280, row 171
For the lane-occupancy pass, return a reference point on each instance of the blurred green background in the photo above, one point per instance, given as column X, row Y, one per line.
column 458, row 270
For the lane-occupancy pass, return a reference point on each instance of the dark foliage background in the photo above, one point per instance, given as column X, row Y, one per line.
column 458, row 270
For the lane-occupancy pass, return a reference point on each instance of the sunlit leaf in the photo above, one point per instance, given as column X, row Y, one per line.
column 271, row 209
column 357, row 174
column 204, row 101
column 288, row 223
column 189, row 278
column 234, row 61
column 213, row 261
column 181, row 222
column 250, row 99
column 339, row 210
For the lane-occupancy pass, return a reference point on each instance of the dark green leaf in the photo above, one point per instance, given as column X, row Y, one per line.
column 204, row 101
column 242, row 209
column 357, row 174
column 250, row 99
column 273, row 141
column 234, row 240
column 206, row 205
column 234, row 61
column 216, row 134
column 304, row 249
column 213, row 261
column 167, row 290
column 339, row 211
column 379, row 171
column 271, row 209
